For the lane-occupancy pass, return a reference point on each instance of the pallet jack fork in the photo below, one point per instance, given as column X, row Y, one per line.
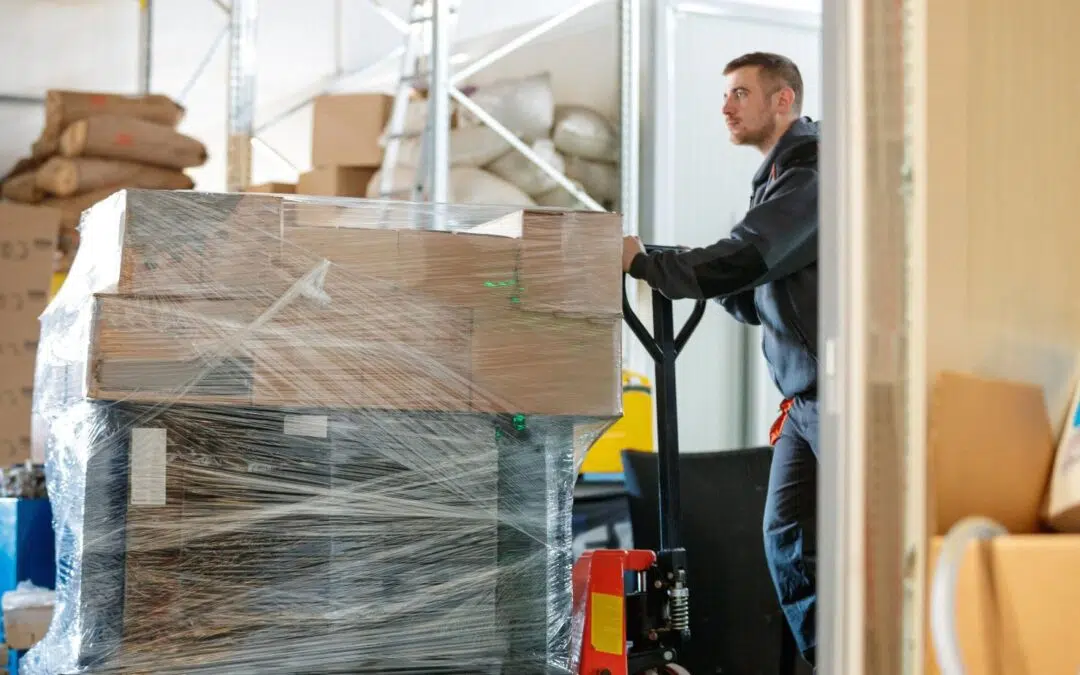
column 636, row 602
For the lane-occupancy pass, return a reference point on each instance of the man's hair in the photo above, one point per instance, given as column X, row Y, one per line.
column 779, row 69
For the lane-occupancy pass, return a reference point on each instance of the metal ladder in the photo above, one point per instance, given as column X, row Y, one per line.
column 415, row 71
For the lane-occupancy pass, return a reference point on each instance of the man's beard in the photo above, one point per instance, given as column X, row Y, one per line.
column 757, row 136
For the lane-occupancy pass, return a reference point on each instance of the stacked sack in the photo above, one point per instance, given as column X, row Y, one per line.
column 94, row 144
column 485, row 169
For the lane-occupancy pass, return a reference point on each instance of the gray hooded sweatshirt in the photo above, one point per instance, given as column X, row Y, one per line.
column 765, row 272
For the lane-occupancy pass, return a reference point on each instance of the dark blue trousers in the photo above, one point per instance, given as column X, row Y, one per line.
column 790, row 524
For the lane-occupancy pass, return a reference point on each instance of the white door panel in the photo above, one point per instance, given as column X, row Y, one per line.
column 726, row 397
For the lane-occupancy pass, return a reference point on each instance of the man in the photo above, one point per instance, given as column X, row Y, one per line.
column 765, row 273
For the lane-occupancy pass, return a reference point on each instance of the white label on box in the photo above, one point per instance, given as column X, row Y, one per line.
column 312, row 426
column 147, row 466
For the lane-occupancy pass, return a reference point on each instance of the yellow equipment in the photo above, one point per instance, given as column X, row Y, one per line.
column 57, row 282
column 633, row 432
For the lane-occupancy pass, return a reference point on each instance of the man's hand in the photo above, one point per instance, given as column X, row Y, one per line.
column 631, row 246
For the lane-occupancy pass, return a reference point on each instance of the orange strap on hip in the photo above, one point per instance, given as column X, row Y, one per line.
column 778, row 426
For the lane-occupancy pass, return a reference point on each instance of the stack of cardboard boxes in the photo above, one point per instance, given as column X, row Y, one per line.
column 992, row 454
column 467, row 303
column 27, row 241
column 345, row 146
column 321, row 437
column 94, row 144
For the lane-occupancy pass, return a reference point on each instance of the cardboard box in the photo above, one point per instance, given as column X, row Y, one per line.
column 180, row 243
column 1017, row 606
column 27, row 242
column 546, row 364
column 27, row 615
column 464, row 270
column 560, row 249
column 273, row 188
column 308, row 532
column 990, row 452
column 240, row 246
column 1063, row 497
column 346, row 129
column 394, row 352
column 397, row 352
column 335, row 181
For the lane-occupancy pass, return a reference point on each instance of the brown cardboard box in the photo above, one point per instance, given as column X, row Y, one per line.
column 363, row 262
column 273, row 188
column 218, row 246
column 395, row 351
column 182, row 243
column 544, row 364
column 27, row 241
column 465, row 270
column 1063, row 495
column 346, row 129
column 990, row 452
column 27, row 615
column 335, row 181
column 1017, row 606
column 560, row 249
column 392, row 352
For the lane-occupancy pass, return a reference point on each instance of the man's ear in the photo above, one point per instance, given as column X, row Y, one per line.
column 785, row 99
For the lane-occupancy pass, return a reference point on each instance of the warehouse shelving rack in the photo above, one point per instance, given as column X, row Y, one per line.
column 240, row 32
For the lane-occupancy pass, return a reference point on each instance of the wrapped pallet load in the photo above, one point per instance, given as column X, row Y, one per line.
column 312, row 436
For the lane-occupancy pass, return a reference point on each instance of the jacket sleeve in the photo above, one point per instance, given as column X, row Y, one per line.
column 741, row 306
column 775, row 238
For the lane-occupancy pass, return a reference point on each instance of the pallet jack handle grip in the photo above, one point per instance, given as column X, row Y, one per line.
column 663, row 344
column 646, row 338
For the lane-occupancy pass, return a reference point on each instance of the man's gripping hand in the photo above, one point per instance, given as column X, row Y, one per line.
column 631, row 247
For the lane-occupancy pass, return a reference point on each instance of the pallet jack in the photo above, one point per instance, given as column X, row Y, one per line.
column 635, row 603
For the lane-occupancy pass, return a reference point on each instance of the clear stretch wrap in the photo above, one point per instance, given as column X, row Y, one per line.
column 296, row 435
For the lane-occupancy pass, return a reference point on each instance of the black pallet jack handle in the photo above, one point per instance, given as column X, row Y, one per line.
column 664, row 346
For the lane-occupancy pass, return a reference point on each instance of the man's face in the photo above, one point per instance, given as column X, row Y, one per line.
column 751, row 107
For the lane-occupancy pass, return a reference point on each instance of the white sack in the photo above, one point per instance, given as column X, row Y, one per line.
column 601, row 179
column 522, row 172
column 582, row 132
column 525, row 106
column 560, row 198
column 401, row 185
column 415, row 118
column 476, row 186
column 469, row 146
column 468, row 185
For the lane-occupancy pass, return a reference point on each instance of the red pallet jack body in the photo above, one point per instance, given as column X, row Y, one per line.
column 636, row 603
